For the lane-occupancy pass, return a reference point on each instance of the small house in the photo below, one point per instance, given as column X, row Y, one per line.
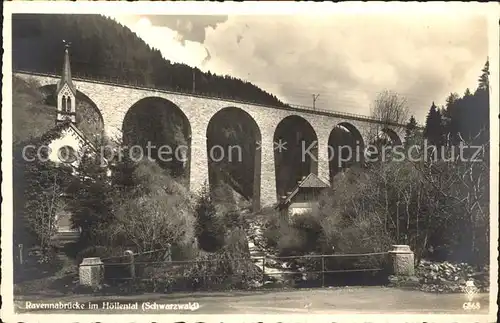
column 303, row 198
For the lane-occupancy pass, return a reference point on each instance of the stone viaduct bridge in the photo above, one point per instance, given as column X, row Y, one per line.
column 113, row 101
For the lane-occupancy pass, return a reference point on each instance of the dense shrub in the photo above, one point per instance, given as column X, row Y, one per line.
column 209, row 226
column 154, row 212
column 185, row 251
column 316, row 233
column 229, row 267
column 271, row 231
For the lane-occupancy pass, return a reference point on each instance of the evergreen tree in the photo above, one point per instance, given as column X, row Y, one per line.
column 433, row 131
column 484, row 82
column 411, row 132
column 209, row 228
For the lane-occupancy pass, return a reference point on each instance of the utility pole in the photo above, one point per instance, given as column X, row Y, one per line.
column 194, row 81
column 315, row 97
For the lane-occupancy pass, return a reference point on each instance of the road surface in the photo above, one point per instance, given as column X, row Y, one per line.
column 345, row 300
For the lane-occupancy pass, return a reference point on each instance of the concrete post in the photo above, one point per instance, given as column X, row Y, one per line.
column 21, row 253
column 401, row 260
column 130, row 255
column 91, row 272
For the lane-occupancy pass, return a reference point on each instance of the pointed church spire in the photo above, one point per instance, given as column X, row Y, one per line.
column 66, row 91
column 66, row 72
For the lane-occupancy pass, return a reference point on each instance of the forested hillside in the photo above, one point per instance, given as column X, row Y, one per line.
column 463, row 118
column 101, row 47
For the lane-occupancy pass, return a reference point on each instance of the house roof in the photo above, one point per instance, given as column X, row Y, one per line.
column 311, row 181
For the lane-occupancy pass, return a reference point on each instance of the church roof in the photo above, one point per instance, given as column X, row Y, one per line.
column 57, row 131
column 311, row 181
column 66, row 74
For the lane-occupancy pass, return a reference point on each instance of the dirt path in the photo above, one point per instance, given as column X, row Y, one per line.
column 319, row 301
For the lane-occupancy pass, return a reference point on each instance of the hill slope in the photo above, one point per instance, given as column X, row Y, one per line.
column 101, row 47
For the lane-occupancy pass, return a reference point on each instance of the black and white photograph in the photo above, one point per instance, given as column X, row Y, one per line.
column 248, row 159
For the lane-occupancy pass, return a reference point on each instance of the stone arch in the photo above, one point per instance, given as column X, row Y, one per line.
column 345, row 148
column 234, row 155
column 160, row 124
column 293, row 160
column 393, row 136
column 89, row 118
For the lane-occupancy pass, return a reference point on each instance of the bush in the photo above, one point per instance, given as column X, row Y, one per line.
column 271, row 231
column 236, row 243
column 310, row 229
column 301, row 235
column 318, row 233
column 98, row 251
column 185, row 251
column 292, row 241
column 154, row 212
column 230, row 267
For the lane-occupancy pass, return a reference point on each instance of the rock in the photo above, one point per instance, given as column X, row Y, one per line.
column 271, row 262
column 413, row 279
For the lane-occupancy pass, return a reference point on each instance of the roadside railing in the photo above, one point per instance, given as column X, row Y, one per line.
column 221, row 270
column 307, row 270
column 141, row 86
column 326, row 269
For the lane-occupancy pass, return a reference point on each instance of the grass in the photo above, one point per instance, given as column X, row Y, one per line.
column 31, row 117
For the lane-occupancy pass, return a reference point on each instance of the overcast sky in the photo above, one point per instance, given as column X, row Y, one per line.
column 345, row 59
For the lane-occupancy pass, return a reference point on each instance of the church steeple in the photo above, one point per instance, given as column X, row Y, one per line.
column 66, row 91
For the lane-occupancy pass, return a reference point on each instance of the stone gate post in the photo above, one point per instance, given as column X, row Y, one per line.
column 401, row 261
column 91, row 272
column 131, row 262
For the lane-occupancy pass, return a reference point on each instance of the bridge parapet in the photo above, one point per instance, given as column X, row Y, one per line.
column 286, row 106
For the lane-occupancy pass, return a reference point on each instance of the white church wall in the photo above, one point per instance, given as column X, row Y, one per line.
column 67, row 139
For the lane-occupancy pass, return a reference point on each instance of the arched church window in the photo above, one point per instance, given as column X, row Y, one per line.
column 64, row 103
column 68, row 106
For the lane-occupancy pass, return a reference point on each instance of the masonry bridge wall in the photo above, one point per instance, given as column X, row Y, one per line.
column 113, row 102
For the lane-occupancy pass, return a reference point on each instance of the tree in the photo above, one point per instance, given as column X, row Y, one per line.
column 91, row 198
column 451, row 115
column 484, row 83
column 209, row 226
column 38, row 195
column 479, row 108
column 154, row 213
column 411, row 132
column 390, row 108
column 433, row 131
column 465, row 117
column 457, row 188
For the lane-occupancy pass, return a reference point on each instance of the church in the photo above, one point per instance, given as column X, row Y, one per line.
column 65, row 141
